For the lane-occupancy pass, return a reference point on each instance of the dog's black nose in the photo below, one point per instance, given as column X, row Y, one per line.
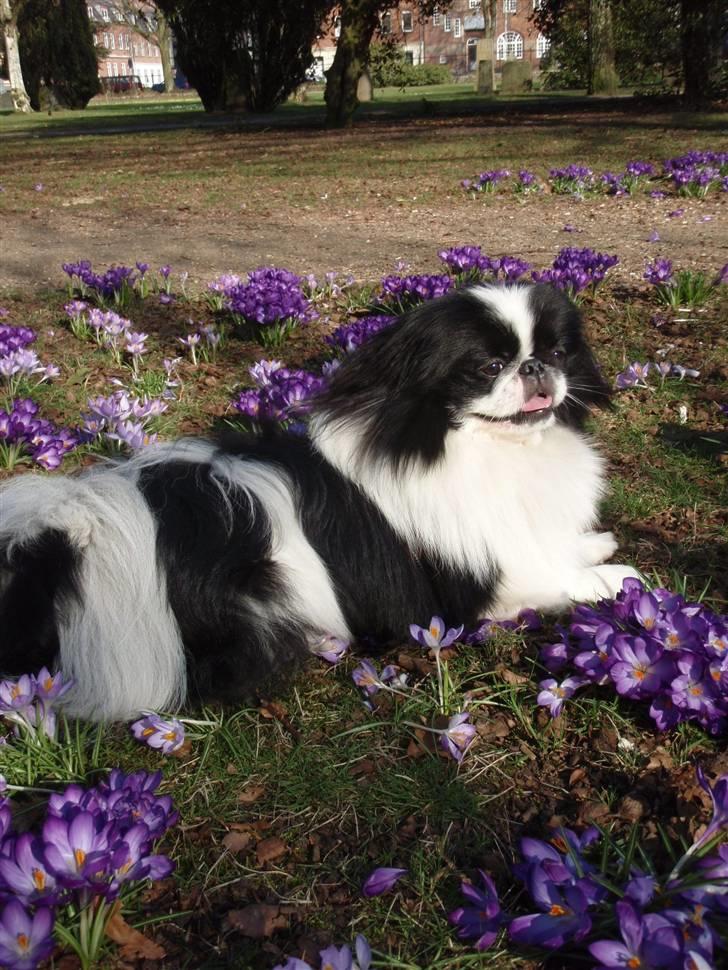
column 532, row 368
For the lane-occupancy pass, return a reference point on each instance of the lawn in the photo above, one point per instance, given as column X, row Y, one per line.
column 286, row 807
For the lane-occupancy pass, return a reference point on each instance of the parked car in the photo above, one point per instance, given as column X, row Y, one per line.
column 123, row 84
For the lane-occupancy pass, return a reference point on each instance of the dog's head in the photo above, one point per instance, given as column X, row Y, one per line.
column 507, row 360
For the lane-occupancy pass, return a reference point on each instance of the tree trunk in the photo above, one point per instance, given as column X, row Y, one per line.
column 701, row 35
column 8, row 23
column 359, row 20
column 602, row 72
column 164, row 39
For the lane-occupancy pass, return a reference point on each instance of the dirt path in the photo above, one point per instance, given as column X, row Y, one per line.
column 366, row 242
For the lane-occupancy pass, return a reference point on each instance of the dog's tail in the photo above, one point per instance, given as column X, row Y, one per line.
column 81, row 591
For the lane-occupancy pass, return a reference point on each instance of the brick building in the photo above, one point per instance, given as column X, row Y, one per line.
column 450, row 37
column 125, row 45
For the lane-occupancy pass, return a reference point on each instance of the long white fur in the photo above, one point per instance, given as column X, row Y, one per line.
column 121, row 643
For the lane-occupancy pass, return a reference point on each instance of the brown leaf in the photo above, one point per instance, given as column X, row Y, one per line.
column 183, row 750
column 510, row 676
column 237, row 841
column 250, row 794
column 576, row 775
column 632, row 808
column 258, row 921
column 268, row 850
column 132, row 943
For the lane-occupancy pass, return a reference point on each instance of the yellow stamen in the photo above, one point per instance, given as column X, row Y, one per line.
column 557, row 910
column 39, row 878
column 23, row 942
column 634, row 962
column 147, row 731
column 80, row 856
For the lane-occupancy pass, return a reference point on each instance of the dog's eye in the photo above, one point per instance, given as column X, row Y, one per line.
column 493, row 368
column 558, row 354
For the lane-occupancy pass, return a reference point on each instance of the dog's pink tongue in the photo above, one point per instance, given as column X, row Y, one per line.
column 539, row 402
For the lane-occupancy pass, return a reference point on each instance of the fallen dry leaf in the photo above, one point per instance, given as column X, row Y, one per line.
column 258, row 920
column 237, row 841
column 133, row 944
column 268, row 850
column 250, row 794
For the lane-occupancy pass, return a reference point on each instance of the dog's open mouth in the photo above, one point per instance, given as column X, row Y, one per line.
column 535, row 409
column 539, row 402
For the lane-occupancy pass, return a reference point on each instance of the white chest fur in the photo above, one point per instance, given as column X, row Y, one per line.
column 517, row 504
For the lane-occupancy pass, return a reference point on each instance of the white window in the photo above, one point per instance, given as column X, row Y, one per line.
column 542, row 45
column 473, row 4
column 90, row 11
column 112, row 42
column 385, row 26
column 407, row 25
column 509, row 6
column 443, row 58
column 108, row 68
column 509, row 46
column 448, row 22
column 337, row 27
column 538, row 4
column 105, row 14
column 458, row 32
column 436, row 17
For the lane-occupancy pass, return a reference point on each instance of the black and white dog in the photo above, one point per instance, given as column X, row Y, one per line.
column 446, row 473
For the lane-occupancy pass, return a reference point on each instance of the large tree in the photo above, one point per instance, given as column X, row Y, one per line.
column 359, row 22
column 57, row 51
column 245, row 54
column 9, row 30
column 150, row 22
column 704, row 30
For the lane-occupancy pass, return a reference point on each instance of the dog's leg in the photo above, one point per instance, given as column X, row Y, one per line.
column 601, row 582
column 596, row 547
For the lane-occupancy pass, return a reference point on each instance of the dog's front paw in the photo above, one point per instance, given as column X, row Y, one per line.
column 597, row 547
column 601, row 582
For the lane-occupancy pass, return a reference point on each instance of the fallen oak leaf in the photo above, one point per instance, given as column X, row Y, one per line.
column 133, row 944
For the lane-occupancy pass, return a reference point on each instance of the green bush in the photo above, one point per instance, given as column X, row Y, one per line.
column 389, row 68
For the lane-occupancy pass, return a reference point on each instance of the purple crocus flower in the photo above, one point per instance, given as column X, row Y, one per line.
column 457, row 737
column 640, row 668
column 78, row 853
column 647, row 941
column 482, row 920
column 335, row 958
column 331, row 649
column 719, row 797
column 634, row 376
column 381, row 881
column 435, row 636
column 165, row 735
column 553, row 694
column 25, row 940
column 24, row 872
column 659, row 272
column 563, row 915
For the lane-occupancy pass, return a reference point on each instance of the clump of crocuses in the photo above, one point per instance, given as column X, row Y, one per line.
column 576, row 270
column 595, row 896
column 94, row 845
column 486, row 181
column 652, row 647
column 680, row 288
column 121, row 418
column 26, row 437
column 281, row 395
column 469, row 264
column 398, row 294
column 272, row 301
column 351, row 335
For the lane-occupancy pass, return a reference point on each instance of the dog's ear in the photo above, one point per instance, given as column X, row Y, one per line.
column 392, row 390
